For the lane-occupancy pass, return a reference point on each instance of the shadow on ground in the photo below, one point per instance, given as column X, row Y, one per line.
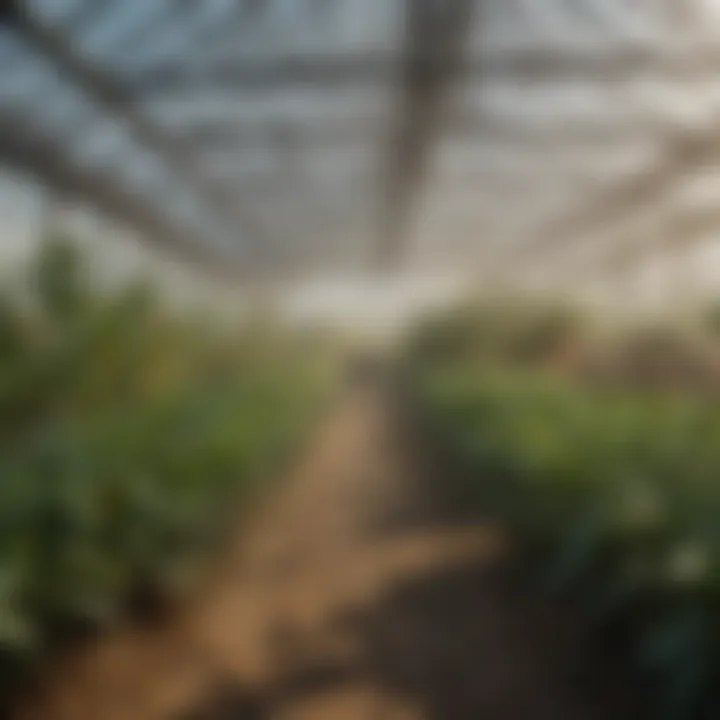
column 455, row 644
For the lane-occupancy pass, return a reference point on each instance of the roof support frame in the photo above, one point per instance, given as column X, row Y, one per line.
column 114, row 97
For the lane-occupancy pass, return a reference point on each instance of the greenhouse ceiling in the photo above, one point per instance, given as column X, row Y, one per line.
column 279, row 135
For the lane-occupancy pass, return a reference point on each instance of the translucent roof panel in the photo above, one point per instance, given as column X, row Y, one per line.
column 301, row 134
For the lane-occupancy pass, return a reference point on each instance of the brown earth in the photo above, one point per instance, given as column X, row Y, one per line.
column 357, row 594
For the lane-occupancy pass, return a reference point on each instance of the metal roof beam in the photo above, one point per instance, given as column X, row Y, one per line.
column 461, row 127
column 337, row 71
column 53, row 167
column 118, row 99
column 681, row 227
column 436, row 36
column 620, row 199
column 9, row 11
column 87, row 14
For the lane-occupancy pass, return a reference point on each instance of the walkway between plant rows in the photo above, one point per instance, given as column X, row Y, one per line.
column 355, row 594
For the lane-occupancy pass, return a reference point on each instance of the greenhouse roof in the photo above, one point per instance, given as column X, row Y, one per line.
column 272, row 135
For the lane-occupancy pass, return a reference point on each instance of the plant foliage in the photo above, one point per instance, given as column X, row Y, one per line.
column 613, row 484
column 128, row 440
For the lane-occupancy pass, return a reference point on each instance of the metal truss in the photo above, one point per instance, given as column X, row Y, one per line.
column 200, row 90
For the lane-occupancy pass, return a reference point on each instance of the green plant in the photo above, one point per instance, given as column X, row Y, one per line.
column 129, row 439
column 614, row 487
column 504, row 331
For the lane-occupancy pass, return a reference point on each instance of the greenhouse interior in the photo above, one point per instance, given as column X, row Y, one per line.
column 359, row 359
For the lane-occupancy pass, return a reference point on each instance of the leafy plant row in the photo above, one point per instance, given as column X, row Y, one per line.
column 615, row 487
column 129, row 439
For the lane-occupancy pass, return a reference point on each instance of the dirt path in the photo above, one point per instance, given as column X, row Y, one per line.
column 352, row 597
